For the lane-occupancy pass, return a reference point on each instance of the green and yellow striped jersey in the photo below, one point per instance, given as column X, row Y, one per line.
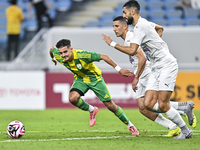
column 82, row 66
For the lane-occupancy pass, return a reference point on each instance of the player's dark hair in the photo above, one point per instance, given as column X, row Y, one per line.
column 63, row 43
column 13, row 2
column 121, row 19
column 132, row 4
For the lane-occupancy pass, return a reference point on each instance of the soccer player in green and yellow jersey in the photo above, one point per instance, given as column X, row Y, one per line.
column 88, row 76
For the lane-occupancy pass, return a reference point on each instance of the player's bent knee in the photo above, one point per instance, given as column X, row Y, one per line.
column 142, row 108
column 148, row 105
column 73, row 99
column 164, row 107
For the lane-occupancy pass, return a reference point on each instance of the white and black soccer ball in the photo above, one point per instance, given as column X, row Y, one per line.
column 15, row 129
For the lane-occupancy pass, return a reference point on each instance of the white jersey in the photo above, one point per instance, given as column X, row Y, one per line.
column 134, row 59
column 152, row 44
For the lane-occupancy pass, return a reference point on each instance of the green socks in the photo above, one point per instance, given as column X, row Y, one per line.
column 121, row 115
column 82, row 104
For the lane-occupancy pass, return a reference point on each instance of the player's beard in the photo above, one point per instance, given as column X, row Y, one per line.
column 130, row 20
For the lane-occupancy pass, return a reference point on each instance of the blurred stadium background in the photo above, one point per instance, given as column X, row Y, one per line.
column 32, row 79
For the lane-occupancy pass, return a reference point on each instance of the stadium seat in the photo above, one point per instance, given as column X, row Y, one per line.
column 174, row 13
column 92, row 23
column 192, row 21
column 144, row 13
column 143, row 4
column 3, row 21
column 156, row 13
column 170, row 4
column 21, row 5
column 31, row 24
column 52, row 1
column 4, row 5
column 175, row 22
column 52, row 13
column 5, row 2
column 119, row 5
column 108, row 14
column 118, row 12
column 189, row 12
column 3, row 37
column 159, row 21
column 2, row 12
column 152, row 4
column 63, row 5
column 106, row 22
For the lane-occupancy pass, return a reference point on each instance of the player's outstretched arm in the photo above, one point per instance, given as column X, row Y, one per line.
column 141, row 65
column 131, row 50
column 123, row 72
column 52, row 56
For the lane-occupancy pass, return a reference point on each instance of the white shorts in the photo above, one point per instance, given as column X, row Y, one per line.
column 163, row 79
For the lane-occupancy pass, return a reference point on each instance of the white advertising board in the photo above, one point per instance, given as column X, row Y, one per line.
column 22, row 90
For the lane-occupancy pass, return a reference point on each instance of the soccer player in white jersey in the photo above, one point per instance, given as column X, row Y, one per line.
column 120, row 28
column 164, row 66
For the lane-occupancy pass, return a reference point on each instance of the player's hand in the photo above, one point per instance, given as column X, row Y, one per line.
column 53, row 59
column 134, row 84
column 126, row 73
column 106, row 38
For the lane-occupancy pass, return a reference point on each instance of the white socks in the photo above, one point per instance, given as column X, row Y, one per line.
column 91, row 108
column 156, row 108
column 165, row 122
column 129, row 124
column 175, row 117
column 181, row 112
column 174, row 104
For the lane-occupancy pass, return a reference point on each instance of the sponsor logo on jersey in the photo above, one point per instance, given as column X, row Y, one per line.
column 145, row 49
column 79, row 66
column 131, row 59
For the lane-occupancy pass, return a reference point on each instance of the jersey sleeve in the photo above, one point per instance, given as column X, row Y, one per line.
column 95, row 56
column 56, row 54
column 91, row 56
column 55, row 51
column 152, row 24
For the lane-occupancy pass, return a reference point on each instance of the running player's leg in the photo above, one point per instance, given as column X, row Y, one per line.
column 118, row 111
column 158, row 118
column 166, row 81
column 102, row 92
column 185, row 109
column 173, row 114
column 78, row 89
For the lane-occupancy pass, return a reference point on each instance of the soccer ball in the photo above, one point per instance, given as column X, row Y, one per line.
column 15, row 129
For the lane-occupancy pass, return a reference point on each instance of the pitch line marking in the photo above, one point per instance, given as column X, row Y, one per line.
column 99, row 131
column 86, row 138
column 70, row 139
column 64, row 139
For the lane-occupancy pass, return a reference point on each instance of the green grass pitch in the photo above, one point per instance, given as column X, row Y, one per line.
column 68, row 129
